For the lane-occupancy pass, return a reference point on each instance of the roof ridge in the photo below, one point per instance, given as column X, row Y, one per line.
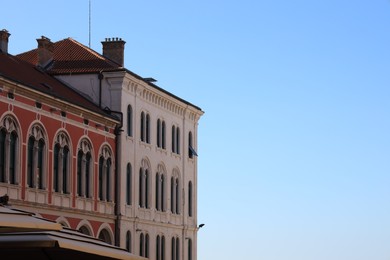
column 90, row 50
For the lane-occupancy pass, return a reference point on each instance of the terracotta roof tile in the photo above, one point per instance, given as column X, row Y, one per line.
column 17, row 70
column 71, row 56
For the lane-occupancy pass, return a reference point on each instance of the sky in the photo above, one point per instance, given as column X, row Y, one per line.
column 294, row 145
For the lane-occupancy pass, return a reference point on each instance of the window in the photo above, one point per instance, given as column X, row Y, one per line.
column 61, row 160
column 175, row 196
column 8, row 150
column 36, row 158
column 189, row 249
column 175, row 139
column 160, row 188
column 144, row 178
column 190, row 199
column 144, row 245
column 85, row 230
column 84, row 169
column 105, row 236
column 105, row 175
column 129, row 120
column 161, row 134
column 145, row 127
column 128, row 241
column 191, row 150
column 175, row 248
column 128, row 184
column 160, row 248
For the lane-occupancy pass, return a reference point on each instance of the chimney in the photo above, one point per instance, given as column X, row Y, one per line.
column 114, row 49
column 45, row 51
column 4, row 35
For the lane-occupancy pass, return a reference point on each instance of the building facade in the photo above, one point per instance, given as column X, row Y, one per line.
column 57, row 149
column 155, row 209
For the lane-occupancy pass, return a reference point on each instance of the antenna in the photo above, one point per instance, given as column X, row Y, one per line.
column 89, row 43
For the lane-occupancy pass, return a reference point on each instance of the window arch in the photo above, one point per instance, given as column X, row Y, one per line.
column 105, row 236
column 84, row 230
column 191, row 150
column 85, row 227
column 161, row 133
column 175, row 139
column 189, row 249
column 145, row 127
column 144, row 179
column 190, row 196
column 175, row 248
column 61, row 163
column 9, row 150
column 160, row 247
column 84, row 169
column 105, row 174
column 160, row 188
column 128, row 184
column 144, row 245
column 36, row 158
column 128, row 241
column 129, row 120
column 175, row 192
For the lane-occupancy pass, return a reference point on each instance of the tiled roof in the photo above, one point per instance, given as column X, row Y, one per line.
column 70, row 56
column 19, row 71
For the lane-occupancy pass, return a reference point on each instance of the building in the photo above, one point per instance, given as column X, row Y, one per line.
column 155, row 203
column 57, row 148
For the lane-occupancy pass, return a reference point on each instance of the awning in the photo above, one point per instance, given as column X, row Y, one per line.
column 16, row 221
column 23, row 235
column 64, row 244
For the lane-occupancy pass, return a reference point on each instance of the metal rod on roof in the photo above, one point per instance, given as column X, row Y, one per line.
column 89, row 43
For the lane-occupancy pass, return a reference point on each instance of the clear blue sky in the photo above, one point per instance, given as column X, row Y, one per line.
column 294, row 146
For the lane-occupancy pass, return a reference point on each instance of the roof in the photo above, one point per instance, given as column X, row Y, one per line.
column 72, row 57
column 22, row 72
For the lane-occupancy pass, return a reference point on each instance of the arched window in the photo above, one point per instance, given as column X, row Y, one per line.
column 144, row 245
column 9, row 143
column 105, row 175
column 175, row 248
column 36, row 158
column 144, row 179
column 161, row 133
column 145, row 127
column 129, row 120
column 148, row 128
column 175, row 193
column 128, row 241
column 105, row 236
column 128, row 184
column 2, row 155
column 84, row 169
column 191, row 150
column 190, row 199
column 61, row 161
column 160, row 188
column 160, row 248
column 189, row 249
column 175, row 139
column 85, row 230
column 142, row 126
